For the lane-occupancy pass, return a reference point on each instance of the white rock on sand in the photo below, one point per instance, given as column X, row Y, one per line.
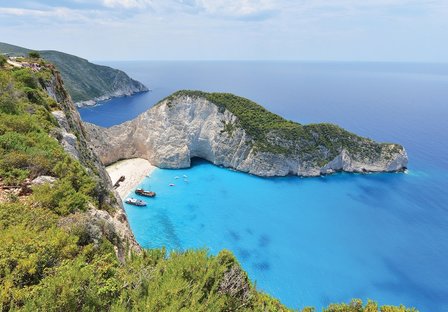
column 134, row 170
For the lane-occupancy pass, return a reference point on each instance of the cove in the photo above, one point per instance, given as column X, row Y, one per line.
column 306, row 241
column 320, row 240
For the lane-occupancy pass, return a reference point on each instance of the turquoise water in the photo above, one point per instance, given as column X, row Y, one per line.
column 308, row 241
column 320, row 240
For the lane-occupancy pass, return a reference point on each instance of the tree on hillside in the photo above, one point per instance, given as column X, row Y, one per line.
column 2, row 60
column 34, row 54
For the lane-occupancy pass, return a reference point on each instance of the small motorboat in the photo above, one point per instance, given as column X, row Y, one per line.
column 121, row 179
column 142, row 192
column 171, row 184
column 176, row 177
column 185, row 176
column 135, row 202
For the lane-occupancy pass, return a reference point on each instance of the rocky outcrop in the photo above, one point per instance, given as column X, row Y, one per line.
column 122, row 87
column 87, row 83
column 72, row 136
column 43, row 180
column 184, row 126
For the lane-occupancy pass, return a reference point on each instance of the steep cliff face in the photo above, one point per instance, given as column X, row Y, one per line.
column 196, row 124
column 72, row 136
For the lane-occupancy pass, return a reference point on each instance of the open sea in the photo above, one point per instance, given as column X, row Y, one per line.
column 317, row 240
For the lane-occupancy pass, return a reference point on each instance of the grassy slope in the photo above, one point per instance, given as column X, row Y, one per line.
column 83, row 80
column 272, row 133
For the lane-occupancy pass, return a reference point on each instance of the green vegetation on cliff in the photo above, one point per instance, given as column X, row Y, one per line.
column 49, row 258
column 272, row 133
column 83, row 80
column 2, row 60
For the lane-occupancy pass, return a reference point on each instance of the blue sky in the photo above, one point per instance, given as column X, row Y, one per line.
column 340, row 30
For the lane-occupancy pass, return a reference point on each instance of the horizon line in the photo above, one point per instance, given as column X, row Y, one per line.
column 275, row 60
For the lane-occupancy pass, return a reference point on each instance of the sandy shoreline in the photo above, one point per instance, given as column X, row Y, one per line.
column 134, row 170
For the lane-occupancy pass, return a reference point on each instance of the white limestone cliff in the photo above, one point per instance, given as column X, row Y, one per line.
column 173, row 132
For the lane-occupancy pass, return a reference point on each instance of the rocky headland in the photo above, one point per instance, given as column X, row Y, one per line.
column 87, row 83
column 234, row 132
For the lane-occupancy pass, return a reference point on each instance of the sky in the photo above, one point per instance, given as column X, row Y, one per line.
column 307, row 30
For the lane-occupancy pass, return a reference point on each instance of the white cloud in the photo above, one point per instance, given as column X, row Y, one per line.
column 62, row 13
column 25, row 12
column 54, row 16
column 365, row 5
column 127, row 4
column 216, row 8
column 235, row 8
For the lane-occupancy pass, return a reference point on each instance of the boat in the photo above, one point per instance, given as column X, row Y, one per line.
column 142, row 192
column 135, row 202
column 171, row 184
column 121, row 179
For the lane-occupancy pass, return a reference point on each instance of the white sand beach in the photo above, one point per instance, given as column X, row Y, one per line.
column 134, row 170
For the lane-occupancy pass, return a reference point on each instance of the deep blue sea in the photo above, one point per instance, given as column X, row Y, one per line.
column 317, row 240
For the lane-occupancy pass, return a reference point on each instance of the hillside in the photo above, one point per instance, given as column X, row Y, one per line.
column 86, row 82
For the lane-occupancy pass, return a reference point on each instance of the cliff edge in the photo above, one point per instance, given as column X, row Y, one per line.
column 234, row 132
column 72, row 136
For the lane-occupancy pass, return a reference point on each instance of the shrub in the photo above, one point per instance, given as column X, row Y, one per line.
column 356, row 305
column 60, row 197
column 13, row 176
column 34, row 54
column 27, row 78
column 8, row 94
column 34, row 96
column 81, row 284
column 19, row 124
column 3, row 60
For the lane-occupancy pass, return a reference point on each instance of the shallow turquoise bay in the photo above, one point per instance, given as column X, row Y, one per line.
column 306, row 241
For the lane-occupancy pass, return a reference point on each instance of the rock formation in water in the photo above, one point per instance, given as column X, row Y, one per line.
column 234, row 132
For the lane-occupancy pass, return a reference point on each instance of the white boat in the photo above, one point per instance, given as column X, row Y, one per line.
column 135, row 202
